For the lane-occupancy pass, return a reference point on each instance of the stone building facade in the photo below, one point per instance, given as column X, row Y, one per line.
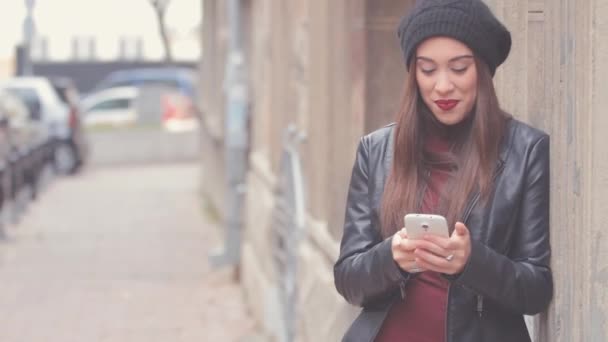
column 333, row 69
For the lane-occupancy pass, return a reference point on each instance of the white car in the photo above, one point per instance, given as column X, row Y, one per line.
column 56, row 103
column 113, row 106
column 39, row 91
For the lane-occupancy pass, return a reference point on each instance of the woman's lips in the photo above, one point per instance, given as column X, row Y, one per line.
column 446, row 104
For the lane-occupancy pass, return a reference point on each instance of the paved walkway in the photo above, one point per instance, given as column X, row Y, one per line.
column 118, row 255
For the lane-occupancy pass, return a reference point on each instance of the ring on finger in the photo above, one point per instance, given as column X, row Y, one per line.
column 449, row 257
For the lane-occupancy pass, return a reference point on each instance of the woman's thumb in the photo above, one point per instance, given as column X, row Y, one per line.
column 461, row 229
column 396, row 239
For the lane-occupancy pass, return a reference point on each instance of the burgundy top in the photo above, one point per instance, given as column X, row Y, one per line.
column 420, row 317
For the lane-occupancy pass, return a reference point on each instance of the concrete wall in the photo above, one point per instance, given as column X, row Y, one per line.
column 553, row 80
column 332, row 68
column 146, row 145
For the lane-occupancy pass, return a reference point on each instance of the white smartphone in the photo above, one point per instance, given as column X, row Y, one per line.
column 417, row 225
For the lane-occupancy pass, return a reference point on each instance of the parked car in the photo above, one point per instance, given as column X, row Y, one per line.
column 6, row 172
column 26, row 150
column 59, row 111
column 177, row 113
column 181, row 79
column 112, row 106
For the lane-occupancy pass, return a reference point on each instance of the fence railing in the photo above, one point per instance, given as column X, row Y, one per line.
column 288, row 222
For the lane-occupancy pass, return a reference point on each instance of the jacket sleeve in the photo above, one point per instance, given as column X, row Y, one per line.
column 365, row 270
column 522, row 282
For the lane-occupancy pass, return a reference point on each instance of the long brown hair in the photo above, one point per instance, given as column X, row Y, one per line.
column 475, row 157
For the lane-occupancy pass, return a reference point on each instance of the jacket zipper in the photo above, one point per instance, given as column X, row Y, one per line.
column 375, row 334
column 480, row 305
column 470, row 207
column 402, row 289
column 467, row 213
column 475, row 198
column 447, row 315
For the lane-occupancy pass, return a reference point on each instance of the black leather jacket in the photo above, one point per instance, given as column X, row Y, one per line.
column 508, row 273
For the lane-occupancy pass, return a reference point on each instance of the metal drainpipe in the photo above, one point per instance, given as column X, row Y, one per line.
column 236, row 140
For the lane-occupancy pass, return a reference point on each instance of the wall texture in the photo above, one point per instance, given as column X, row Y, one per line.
column 552, row 80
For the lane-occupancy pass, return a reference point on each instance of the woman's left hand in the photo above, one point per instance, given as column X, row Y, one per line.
column 444, row 255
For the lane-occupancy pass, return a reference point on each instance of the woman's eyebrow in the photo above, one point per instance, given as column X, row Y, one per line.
column 451, row 59
column 425, row 59
column 460, row 57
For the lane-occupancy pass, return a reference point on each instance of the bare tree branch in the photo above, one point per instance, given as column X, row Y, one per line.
column 160, row 8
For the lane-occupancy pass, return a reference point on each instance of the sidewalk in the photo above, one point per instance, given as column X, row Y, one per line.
column 118, row 255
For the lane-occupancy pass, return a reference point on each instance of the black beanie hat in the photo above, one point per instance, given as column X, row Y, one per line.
column 469, row 21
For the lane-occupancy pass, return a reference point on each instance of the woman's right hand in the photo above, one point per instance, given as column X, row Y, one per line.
column 403, row 252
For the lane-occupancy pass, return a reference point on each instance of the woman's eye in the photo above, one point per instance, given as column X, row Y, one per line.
column 459, row 70
column 427, row 71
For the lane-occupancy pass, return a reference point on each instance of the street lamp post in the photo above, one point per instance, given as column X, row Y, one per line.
column 29, row 32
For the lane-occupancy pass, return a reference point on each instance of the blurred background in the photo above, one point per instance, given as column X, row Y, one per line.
column 177, row 169
column 104, row 233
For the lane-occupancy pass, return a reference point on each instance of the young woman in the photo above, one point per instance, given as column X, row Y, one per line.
column 455, row 153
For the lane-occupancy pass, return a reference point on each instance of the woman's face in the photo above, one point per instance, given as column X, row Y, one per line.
column 447, row 78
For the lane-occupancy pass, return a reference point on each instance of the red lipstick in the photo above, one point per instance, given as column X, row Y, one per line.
column 446, row 104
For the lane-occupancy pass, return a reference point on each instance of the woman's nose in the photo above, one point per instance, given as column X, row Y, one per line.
column 444, row 85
